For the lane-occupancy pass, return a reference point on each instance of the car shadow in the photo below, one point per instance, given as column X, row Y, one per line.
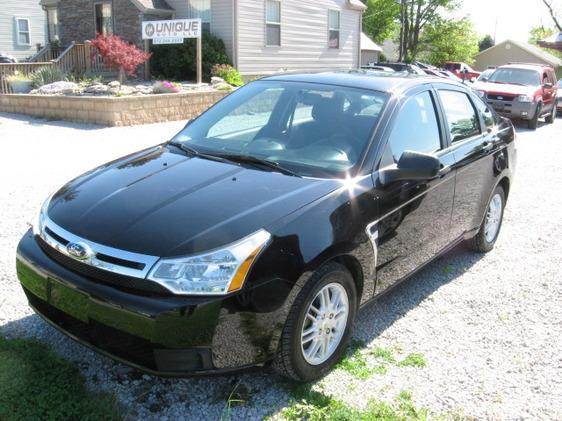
column 37, row 121
column 371, row 322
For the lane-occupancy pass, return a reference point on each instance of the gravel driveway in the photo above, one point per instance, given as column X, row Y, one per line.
column 489, row 327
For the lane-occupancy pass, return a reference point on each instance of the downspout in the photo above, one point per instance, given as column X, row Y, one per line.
column 359, row 39
column 235, row 34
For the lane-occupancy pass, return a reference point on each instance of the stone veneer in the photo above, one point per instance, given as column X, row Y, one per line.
column 76, row 20
column 112, row 111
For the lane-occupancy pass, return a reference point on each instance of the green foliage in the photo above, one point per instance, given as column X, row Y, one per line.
column 381, row 19
column 449, row 40
column 316, row 406
column 178, row 61
column 413, row 360
column 46, row 75
column 486, row 42
column 539, row 33
column 228, row 73
column 35, row 383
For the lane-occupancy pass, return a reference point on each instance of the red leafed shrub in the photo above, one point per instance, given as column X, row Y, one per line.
column 119, row 54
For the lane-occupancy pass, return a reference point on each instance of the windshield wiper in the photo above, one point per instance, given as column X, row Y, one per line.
column 195, row 152
column 249, row 159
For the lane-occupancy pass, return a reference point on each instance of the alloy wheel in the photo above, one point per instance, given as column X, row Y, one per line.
column 493, row 218
column 325, row 323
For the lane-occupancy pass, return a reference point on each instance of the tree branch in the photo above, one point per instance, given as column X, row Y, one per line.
column 552, row 14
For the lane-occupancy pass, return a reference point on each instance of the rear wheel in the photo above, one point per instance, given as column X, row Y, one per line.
column 552, row 116
column 534, row 122
column 490, row 228
column 318, row 326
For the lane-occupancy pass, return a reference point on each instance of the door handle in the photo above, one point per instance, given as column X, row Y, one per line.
column 487, row 146
column 444, row 171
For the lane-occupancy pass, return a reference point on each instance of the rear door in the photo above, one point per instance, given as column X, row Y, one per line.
column 549, row 93
column 472, row 141
column 415, row 214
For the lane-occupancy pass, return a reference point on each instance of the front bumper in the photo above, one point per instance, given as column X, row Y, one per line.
column 163, row 335
column 513, row 109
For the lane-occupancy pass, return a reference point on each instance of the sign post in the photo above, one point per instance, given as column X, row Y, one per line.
column 174, row 32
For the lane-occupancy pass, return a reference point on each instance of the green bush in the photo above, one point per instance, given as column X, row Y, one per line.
column 177, row 61
column 228, row 73
column 46, row 75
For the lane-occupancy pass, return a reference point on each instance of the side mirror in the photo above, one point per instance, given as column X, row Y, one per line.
column 548, row 85
column 412, row 166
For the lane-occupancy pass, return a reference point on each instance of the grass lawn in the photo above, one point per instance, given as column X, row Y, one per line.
column 35, row 383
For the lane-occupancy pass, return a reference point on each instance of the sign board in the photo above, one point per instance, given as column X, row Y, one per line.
column 177, row 28
column 158, row 41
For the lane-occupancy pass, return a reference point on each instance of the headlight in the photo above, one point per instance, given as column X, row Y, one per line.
column 524, row 98
column 214, row 273
column 39, row 220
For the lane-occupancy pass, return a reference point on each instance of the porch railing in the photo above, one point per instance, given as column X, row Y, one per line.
column 76, row 59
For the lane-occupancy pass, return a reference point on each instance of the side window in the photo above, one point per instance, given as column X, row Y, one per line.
column 416, row 129
column 486, row 113
column 461, row 116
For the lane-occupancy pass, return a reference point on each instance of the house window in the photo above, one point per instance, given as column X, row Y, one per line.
column 333, row 29
column 200, row 9
column 24, row 36
column 53, row 24
column 273, row 22
column 104, row 18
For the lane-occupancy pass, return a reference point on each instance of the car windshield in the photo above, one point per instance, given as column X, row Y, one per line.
column 485, row 75
column 516, row 76
column 310, row 129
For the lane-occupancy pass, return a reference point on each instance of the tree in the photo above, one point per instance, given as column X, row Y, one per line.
column 415, row 15
column 380, row 20
column 538, row 33
column 449, row 40
column 120, row 55
column 550, row 7
column 486, row 42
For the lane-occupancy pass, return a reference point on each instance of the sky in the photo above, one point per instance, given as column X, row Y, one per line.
column 514, row 17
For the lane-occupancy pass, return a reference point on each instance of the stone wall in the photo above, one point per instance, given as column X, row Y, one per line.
column 76, row 19
column 112, row 111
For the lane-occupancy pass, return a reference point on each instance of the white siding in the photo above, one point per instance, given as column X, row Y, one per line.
column 9, row 10
column 222, row 23
column 304, row 37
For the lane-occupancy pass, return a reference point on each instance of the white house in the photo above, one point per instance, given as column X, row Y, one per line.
column 261, row 36
column 22, row 27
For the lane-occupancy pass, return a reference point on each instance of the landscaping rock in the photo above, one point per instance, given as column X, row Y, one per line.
column 215, row 80
column 97, row 89
column 114, row 84
column 59, row 88
column 222, row 87
column 144, row 89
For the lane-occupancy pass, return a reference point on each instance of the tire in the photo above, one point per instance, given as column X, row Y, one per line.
column 552, row 116
column 534, row 122
column 482, row 242
column 291, row 360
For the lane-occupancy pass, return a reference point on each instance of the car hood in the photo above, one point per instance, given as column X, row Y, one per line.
column 164, row 203
column 504, row 88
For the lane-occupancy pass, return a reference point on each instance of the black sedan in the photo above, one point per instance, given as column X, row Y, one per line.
column 258, row 231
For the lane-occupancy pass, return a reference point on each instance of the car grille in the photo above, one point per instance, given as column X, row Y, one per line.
column 122, row 282
column 501, row 97
column 116, row 342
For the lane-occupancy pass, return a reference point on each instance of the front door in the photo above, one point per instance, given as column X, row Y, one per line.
column 415, row 215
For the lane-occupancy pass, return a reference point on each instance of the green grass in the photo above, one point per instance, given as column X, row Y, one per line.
column 35, row 383
column 413, row 360
column 315, row 406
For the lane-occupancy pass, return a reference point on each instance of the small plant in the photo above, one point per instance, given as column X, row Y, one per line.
column 46, row 75
column 228, row 73
column 165, row 87
column 413, row 360
column 120, row 55
column 18, row 76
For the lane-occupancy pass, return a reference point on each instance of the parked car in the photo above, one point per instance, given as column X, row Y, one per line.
column 6, row 59
column 485, row 75
column 461, row 70
column 259, row 230
column 559, row 98
column 374, row 66
column 451, row 76
column 522, row 91
column 404, row 67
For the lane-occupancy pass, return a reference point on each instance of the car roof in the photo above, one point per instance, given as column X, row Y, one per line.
column 372, row 80
column 527, row 66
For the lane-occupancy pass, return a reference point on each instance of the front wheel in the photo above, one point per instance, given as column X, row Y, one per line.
column 552, row 116
column 319, row 325
column 489, row 230
column 534, row 122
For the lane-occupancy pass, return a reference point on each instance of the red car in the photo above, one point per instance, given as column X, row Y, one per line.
column 521, row 91
column 461, row 70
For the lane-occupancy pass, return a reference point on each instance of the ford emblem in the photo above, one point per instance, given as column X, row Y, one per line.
column 79, row 251
column 500, row 97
